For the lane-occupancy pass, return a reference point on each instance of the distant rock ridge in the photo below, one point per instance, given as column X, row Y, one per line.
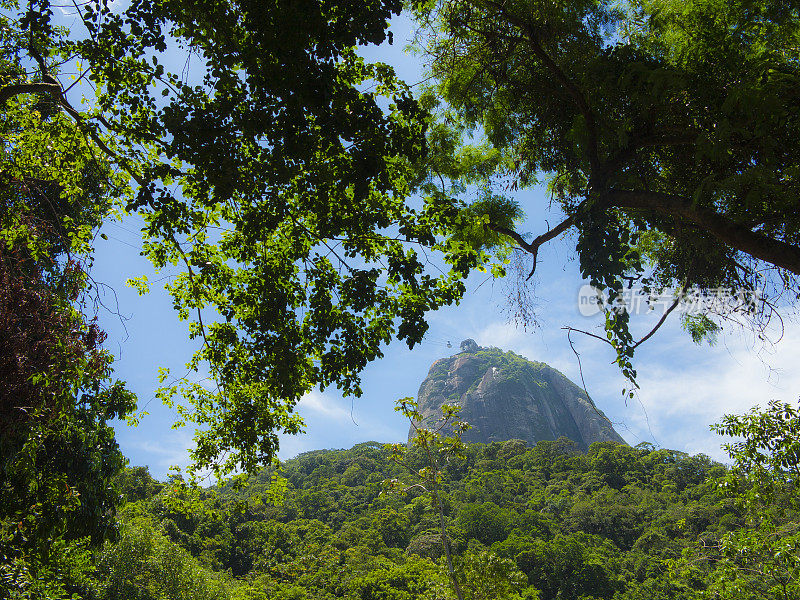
column 505, row 396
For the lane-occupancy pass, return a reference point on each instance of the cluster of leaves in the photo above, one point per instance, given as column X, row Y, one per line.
column 437, row 444
column 548, row 521
column 762, row 557
column 277, row 176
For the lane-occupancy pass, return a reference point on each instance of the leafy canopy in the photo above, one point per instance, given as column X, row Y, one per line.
column 273, row 173
column 57, row 393
column 664, row 129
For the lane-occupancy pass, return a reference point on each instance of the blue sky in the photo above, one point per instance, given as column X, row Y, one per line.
column 684, row 387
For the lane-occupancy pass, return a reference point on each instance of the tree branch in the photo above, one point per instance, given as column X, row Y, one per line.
column 663, row 318
column 576, row 95
column 570, row 87
column 15, row 89
column 92, row 133
column 51, row 86
column 533, row 247
column 663, row 139
column 776, row 252
column 597, row 337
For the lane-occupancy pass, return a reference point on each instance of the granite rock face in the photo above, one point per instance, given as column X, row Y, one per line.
column 505, row 396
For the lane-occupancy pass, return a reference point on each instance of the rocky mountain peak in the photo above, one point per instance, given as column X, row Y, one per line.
column 470, row 346
column 505, row 396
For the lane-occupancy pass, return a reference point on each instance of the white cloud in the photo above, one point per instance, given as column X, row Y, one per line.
column 683, row 400
column 317, row 404
column 335, row 422
column 165, row 452
column 292, row 445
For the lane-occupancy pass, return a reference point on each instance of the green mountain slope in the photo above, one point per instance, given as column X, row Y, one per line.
column 550, row 522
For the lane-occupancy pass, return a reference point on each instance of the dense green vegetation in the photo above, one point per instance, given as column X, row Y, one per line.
column 301, row 193
column 545, row 522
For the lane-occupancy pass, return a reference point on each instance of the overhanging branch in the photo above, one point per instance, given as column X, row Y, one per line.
column 776, row 252
column 15, row 89
column 533, row 247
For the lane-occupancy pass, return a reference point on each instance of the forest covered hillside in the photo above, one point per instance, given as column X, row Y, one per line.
column 544, row 522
